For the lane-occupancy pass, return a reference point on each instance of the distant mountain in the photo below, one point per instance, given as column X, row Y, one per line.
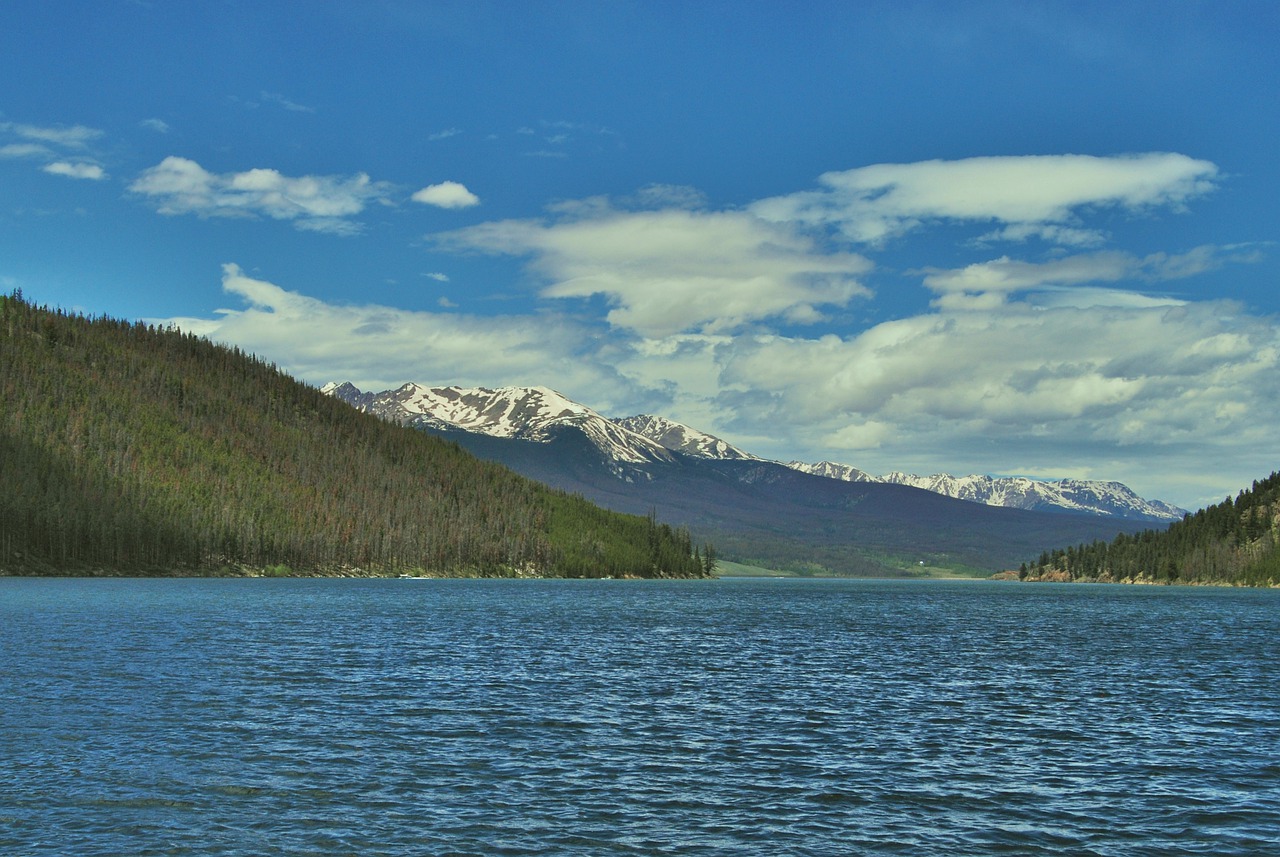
column 1063, row 495
column 128, row 449
column 752, row 508
column 533, row 413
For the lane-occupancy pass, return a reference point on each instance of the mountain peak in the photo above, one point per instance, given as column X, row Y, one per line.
column 520, row 413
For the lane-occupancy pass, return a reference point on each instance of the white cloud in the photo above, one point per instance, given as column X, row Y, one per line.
column 446, row 195
column 54, row 144
column 69, row 137
column 1026, row 196
column 314, row 203
column 675, row 270
column 158, row 125
column 985, row 284
column 444, row 135
column 380, row 347
column 24, row 150
column 75, row 170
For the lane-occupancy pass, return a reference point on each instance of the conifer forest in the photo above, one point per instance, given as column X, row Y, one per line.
column 131, row 449
column 1234, row 542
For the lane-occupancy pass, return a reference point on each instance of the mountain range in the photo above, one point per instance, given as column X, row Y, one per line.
column 822, row 517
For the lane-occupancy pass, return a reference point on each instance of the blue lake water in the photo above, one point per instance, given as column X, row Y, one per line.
column 771, row 717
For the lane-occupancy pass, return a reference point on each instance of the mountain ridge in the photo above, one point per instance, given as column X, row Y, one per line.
column 528, row 413
column 1082, row 496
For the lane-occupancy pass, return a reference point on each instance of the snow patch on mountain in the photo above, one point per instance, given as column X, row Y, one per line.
column 831, row 470
column 680, row 438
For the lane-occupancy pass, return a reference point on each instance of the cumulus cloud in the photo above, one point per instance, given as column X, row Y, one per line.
column 158, row 125
column 315, row 203
column 75, row 170
column 1023, row 196
column 1164, row 382
column 674, row 270
column 446, row 195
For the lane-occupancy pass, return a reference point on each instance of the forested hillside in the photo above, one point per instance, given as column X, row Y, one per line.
column 127, row 449
column 1234, row 542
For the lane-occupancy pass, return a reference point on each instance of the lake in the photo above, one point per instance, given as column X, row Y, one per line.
column 730, row 717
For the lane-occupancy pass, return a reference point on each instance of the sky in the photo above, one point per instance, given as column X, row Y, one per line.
column 1013, row 238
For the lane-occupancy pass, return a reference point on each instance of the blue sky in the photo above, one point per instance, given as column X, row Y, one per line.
column 1017, row 238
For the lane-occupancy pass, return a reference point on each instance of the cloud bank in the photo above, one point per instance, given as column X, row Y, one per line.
column 1141, row 393
column 380, row 346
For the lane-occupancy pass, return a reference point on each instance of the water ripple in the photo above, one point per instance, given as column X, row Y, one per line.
column 554, row 717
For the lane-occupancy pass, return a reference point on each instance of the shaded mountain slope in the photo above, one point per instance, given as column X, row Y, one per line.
column 765, row 512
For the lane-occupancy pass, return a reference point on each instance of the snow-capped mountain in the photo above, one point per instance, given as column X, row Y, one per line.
column 1061, row 495
column 632, row 446
column 521, row 413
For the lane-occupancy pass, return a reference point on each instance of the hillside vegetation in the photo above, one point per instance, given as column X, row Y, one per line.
column 1234, row 542
column 128, row 449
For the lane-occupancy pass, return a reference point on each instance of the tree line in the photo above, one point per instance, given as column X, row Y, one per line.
column 128, row 448
column 1236, row 541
